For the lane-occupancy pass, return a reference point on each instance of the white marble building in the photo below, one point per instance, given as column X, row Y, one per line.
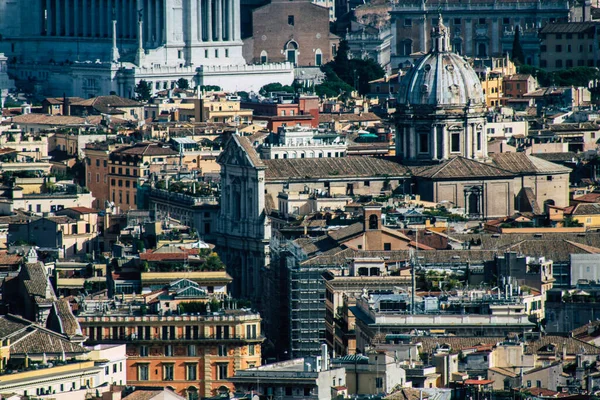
column 92, row 47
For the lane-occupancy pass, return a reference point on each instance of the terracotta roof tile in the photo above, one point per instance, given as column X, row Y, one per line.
column 520, row 163
column 315, row 168
column 461, row 168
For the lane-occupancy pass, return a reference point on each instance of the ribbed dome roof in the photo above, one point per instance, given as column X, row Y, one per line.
column 441, row 77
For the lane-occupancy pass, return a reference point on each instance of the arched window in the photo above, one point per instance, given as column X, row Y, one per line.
column 407, row 47
column 318, row 57
column 264, row 57
column 192, row 393
column 291, row 51
column 373, row 222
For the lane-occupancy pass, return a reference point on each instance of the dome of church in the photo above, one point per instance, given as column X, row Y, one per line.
column 441, row 77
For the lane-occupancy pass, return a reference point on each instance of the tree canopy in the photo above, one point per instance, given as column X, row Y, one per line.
column 354, row 72
column 183, row 83
column 577, row 76
column 276, row 87
column 518, row 57
column 143, row 91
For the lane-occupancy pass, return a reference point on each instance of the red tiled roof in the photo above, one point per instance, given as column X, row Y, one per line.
column 83, row 210
column 478, row 382
column 164, row 256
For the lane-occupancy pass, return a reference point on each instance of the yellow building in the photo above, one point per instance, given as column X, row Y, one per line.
column 587, row 214
column 491, row 72
column 218, row 107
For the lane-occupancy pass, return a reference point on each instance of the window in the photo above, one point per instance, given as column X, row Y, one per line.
column 543, row 47
column 168, row 372
column 318, row 57
column 222, row 371
column 569, row 63
column 291, row 20
column 97, row 163
column 387, row 246
column 408, row 47
column 456, row 21
column 367, row 183
column 251, row 350
column 222, row 351
column 226, row 53
column 481, row 21
column 559, row 64
column 559, row 35
column 114, row 368
column 407, row 22
column 538, row 384
column 216, row 53
column 169, row 350
column 569, row 48
column 191, row 348
column 559, row 48
column 143, row 372
column 528, row 384
column 455, row 142
column 379, row 383
column 104, row 163
column 206, row 53
column 106, row 371
column 97, row 178
column 191, row 372
column 506, row 21
column 423, row 143
column 264, row 57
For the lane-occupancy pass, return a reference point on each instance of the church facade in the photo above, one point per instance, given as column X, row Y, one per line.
column 91, row 47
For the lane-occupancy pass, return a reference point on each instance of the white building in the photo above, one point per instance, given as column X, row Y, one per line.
column 68, row 47
column 303, row 142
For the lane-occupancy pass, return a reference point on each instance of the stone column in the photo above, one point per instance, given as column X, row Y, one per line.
column 49, row 26
column 230, row 19
column 468, row 38
column 58, row 21
column 434, row 144
column 158, row 25
column 444, row 143
column 151, row 22
column 199, row 17
column 405, row 142
column 92, row 25
column 76, row 18
column 495, row 37
column 219, row 20
column 209, row 14
column 413, row 143
column 67, row 17
column 237, row 24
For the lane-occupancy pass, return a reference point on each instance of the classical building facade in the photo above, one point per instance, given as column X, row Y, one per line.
column 88, row 48
column 441, row 106
column 478, row 28
column 296, row 32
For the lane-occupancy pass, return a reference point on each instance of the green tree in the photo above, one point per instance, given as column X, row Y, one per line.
column 355, row 72
column 341, row 62
column 275, row 87
column 210, row 88
column 143, row 91
column 183, row 83
column 518, row 57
